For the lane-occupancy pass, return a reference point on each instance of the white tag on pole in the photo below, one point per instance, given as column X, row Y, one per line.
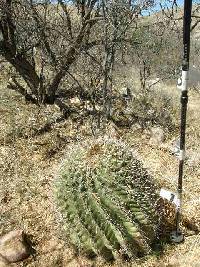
column 170, row 196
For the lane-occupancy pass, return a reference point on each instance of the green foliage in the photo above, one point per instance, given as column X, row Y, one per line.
column 107, row 200
column 158, row 46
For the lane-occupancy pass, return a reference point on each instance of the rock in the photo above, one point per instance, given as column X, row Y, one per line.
column 14, row 247
column 157, row 135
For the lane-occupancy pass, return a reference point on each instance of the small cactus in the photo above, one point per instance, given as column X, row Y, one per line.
column 108, row 201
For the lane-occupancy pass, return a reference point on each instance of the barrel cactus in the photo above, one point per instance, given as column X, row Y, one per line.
column 108, row 201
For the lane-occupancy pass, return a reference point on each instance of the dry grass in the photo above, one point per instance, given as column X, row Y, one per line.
column 28, row 164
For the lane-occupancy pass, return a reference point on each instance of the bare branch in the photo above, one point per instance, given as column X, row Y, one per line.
column 69, row 24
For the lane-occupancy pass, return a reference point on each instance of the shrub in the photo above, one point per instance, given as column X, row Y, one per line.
column 156, row 108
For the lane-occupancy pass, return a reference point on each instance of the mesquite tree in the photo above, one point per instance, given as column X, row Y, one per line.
column 48, row 42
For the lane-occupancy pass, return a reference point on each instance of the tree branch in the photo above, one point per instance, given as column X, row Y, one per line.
column 16, row 86
column 69, row 24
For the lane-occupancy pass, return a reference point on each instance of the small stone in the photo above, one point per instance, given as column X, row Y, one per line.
column 14, row 247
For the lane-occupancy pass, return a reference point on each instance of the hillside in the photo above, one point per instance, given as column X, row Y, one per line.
column 29, row 162
column 36, row 139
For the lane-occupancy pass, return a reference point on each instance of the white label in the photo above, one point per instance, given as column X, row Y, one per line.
column 170, row 196
column 167, row 194
column 185, row 78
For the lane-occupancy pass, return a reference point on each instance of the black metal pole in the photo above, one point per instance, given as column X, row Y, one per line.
column 184, row 101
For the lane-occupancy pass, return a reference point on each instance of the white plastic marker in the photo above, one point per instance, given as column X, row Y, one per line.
column 170, row 196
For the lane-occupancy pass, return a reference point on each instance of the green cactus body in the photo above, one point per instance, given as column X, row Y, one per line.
column 121, row 195
column 128, row 227
column 79, row 236
column 107, row 200
column 111, row 232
